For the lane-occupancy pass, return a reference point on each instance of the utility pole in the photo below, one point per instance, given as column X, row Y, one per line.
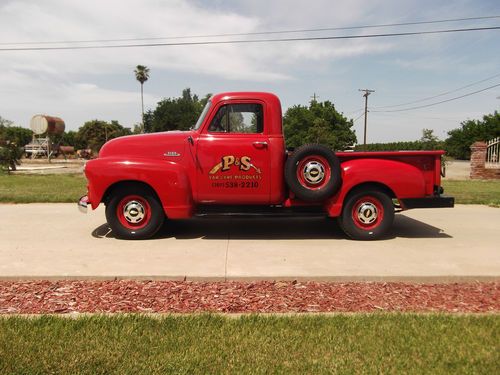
column 314, row 97
column 366, row 94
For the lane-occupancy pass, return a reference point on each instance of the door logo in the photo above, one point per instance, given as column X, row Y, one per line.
column 229, row 162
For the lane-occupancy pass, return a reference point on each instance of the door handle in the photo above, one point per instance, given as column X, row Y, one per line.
column 260, row 144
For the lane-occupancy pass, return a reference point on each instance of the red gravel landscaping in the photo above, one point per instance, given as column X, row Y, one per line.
column 40, row 297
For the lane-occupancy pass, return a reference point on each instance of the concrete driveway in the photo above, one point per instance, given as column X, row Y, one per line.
column 432, row 245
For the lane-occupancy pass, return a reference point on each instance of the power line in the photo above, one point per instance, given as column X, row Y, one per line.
column 257, row 33
column 438, row 95
column 356, row 111
column 440, row 102
column 216, row 42
column 407, row 115
column 357, row 118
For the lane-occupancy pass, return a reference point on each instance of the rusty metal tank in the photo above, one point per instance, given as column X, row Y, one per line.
column 41, row 124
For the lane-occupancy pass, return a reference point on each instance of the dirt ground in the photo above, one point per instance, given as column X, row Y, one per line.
column 458, row 170
column 153, row 296
column 55, row 166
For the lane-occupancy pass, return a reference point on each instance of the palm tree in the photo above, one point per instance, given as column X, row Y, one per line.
column 142, row 75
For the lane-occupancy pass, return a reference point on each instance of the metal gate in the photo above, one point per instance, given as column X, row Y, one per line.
column 492, row 153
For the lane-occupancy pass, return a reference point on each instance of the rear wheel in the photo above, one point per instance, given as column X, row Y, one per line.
column 134, row 213
column 367, row 215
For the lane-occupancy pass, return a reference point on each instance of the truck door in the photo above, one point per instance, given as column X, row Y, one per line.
column 233, row 155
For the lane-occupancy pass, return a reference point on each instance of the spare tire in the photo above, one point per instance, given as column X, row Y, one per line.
column 312, row 173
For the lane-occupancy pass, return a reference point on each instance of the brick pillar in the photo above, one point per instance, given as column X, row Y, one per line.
column 477, row 160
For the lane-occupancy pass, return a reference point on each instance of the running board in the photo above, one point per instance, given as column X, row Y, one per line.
column 252, row 211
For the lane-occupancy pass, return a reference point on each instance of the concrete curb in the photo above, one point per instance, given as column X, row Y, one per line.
column 332, row 279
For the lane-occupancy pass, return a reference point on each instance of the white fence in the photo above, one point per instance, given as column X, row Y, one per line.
column 492, row 153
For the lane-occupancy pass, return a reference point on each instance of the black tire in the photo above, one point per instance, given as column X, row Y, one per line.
column 134, row 203
column 367, row 215
column 305, row 161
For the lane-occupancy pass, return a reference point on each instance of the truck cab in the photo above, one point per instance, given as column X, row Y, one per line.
column 240, row 150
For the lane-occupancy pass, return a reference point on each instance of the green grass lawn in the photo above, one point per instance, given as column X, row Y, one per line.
column 474, row 191
column 68, row 188
column 214, row 344
column 41, row 188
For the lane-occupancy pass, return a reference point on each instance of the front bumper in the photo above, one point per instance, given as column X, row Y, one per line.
column 83, row 203
column 430, row 202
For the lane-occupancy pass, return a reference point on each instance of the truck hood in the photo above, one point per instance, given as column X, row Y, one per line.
column 150, row 146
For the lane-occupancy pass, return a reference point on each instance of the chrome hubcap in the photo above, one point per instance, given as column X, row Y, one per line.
column 314, row 172
column 367, row 213
column 134, row 212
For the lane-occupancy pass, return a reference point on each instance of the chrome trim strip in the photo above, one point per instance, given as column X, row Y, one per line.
column 171, row 153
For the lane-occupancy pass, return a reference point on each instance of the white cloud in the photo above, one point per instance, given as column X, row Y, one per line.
column 95, row 19
column 55, row 81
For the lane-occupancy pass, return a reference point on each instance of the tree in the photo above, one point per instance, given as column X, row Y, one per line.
column 318, row 123
column 70, row 138
column 12, row 140
column 459, row 141
column 142, row 75
column 429, row 141
column 148, row 121
column 93, row 134
column 10, row 154
column 175, row 113
column 17, row 134
column 4, row 122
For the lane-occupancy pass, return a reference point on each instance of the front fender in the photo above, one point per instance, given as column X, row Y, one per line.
column 405, row 180
column 168, row 179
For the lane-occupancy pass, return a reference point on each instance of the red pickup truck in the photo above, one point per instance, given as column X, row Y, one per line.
column 234, row 161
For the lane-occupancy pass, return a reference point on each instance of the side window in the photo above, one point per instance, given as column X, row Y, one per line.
column 238, row 118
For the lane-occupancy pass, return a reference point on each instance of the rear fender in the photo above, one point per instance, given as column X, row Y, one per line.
column 168, row 179
column 404, row 180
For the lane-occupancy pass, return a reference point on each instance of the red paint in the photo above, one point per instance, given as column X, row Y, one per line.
column 177, row 165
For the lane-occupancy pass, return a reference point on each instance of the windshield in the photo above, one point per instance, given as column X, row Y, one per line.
column 203, row 115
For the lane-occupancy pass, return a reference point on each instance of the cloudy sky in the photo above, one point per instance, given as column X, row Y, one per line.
column 79, row 85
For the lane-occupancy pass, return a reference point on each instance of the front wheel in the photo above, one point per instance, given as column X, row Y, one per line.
column 134, row 213
column 367, row 215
